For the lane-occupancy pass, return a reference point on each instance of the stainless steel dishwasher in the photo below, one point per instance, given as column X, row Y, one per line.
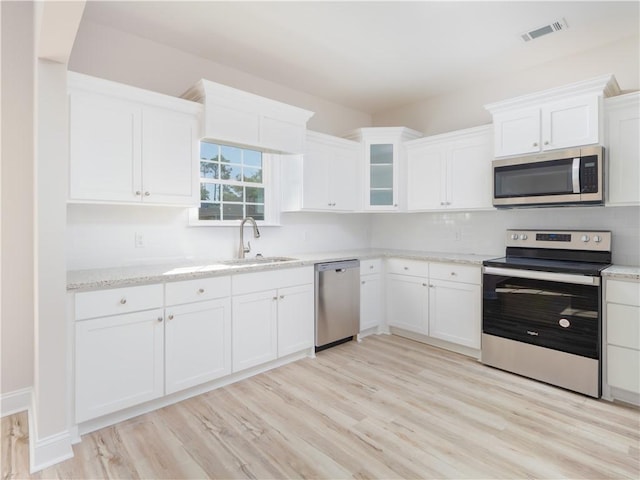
column 337, row 302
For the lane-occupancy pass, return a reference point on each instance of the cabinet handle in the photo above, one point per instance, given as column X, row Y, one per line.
column 123, row 301
column 546, row 143
column 201, row 290
column 424, row 284
column 363, row 282
column 395, row 204
column 146, row 194
column 170, row 317
column 453, row 274
column 370, row 267
column 160, row 318
column 138, row 193
column 274, row 298
column 406, row 268
column 535, row 144
column 281, row 297
column 431, row 285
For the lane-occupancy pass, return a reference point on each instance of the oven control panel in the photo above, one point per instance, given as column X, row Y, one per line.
column 560, row 239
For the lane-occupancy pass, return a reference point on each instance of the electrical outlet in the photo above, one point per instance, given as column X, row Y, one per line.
column 139, row 240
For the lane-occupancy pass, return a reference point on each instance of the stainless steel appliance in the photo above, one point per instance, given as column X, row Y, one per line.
column 565, row 177
column 541, row 307
column 337, row 302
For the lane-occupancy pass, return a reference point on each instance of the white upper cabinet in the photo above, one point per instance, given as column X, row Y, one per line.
column 622, row 127
column 325, row 178
column 236, row 117
column 384, row 159
column 562, row 117
column 450, row 171
column 129, row 145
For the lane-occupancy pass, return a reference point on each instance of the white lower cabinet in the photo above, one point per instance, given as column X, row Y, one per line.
column 622, row 318
column 454, row 312
column 119, row 362
column 197, row 343
column 371, row 295
column 268, row 324
column 408, row 295
column 255, row 323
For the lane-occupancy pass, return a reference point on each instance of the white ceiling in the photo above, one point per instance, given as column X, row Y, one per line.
column 372, row 56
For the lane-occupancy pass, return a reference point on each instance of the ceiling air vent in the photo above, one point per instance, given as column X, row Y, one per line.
column 544, row 30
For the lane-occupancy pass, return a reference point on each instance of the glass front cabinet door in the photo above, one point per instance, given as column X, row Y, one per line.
column 383, row 162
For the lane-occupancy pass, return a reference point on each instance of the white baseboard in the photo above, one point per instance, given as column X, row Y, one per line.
column 44, row 452
column 15, row 402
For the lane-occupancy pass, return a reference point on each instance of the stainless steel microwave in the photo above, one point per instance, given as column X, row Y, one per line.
column 563, row 177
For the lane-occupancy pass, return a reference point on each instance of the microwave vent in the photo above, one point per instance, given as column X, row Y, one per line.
column 552, row 27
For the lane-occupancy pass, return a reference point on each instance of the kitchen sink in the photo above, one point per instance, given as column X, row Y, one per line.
column 258, row 260
column 224, row 264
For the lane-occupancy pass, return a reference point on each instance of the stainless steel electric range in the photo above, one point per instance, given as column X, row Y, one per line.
column 541, row 310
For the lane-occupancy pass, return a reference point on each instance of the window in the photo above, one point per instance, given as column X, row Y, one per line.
column 232, row 183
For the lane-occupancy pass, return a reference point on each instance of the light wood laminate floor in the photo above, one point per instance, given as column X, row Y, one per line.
column 387, row 407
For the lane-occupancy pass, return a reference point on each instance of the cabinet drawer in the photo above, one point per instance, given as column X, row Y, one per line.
column 627, row 293
column 370, row 266
column 454, row 272
column 261, row 281
column 623, row 325
column 115, row 301
column 622, row 368
column 400, row 266
column 197, row 290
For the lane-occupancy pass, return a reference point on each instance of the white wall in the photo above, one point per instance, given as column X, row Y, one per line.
column 465, row 108
column 103, row 236
column 17, row 314
column 107, row 53
column 482, row 232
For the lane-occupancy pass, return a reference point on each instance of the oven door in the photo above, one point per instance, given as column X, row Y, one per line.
column 553, row 310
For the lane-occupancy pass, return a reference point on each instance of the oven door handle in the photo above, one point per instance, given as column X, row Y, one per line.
column 538, row 275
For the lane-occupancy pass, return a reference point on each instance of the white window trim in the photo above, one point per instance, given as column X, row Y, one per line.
column 271, row 183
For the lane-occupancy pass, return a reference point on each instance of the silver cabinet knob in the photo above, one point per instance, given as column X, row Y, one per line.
column 201, row 290
column 370, row 267
column 546, row 143
column 170, row 317
column 281, row 297
column 138, row 193
column 123, row 301
column 363, row 282
column 160, row 319
column 453, row 274
column 406, row 268
column 535, row 144
column 424, row 284
column 146, row 194
column 274, row 298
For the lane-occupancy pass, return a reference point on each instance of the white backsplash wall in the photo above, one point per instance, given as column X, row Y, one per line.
column 482, row 232
column 102, row 236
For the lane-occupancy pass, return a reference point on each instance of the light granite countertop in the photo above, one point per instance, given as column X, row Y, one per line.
column 622, row 271
column 94, row 279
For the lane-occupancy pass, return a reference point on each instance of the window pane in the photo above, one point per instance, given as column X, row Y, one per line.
column 230, row 172
column 232, row 211
column 253, row 175
column 209, row 211
column 255, row 211
column 381, row 153
column 208, row 170
column 231, row 154
column 254, row 195
column 231, row 193
column 208, row 151
column 209, row 192
column 252, row 158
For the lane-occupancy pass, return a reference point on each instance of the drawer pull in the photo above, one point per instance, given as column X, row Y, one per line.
column 406, row 268
column 453, row 274
column 363, row 282
column 370, row 267
column 201, row 290
column 123, row 301
column 170, row 317
column 160, row 318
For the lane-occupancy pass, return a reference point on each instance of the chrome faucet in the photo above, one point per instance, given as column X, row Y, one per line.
column 256, row 234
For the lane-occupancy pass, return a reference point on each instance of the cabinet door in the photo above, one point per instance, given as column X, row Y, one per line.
column 426, row 170
column 408, row 303
column 517, row 132
column 455, row 312
column 254, row 329
column 342, row 179
column 381, row 176
column 197, row 343
column 623, row 125
column 570, row 123
column 104, row 149
column 371, row 302
column 315, row 181
column 118, row 362
column 169, row 157
column 295, row 319
column 469, row 174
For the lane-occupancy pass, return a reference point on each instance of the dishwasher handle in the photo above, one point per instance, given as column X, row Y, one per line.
column 338, row 267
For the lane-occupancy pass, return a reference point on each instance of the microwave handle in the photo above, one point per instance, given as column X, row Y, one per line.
column 575, row 175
